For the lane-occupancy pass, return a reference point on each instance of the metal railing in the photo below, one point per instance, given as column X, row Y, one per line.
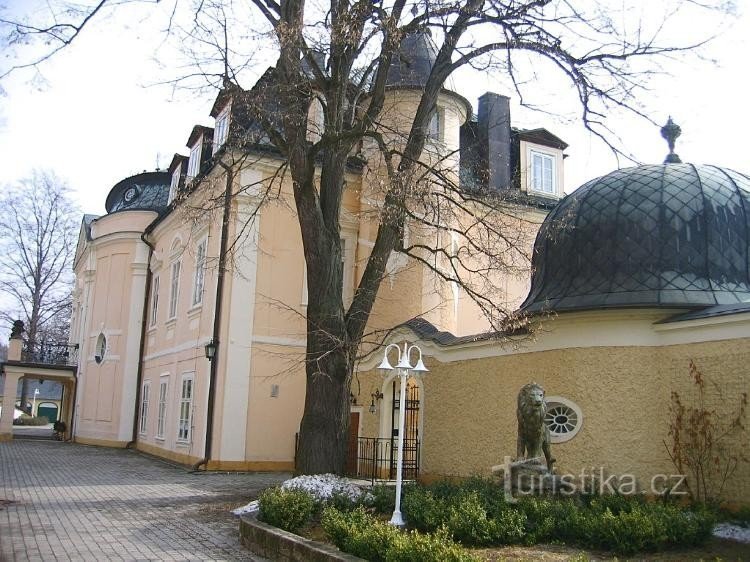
column 46, row 353
column 375, row 459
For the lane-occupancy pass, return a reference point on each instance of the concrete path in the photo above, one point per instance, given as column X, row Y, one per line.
column 61, row 501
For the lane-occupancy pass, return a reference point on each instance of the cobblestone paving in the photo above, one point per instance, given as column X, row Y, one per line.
column 61, row 501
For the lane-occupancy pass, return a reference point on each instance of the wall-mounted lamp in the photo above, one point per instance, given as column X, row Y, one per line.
column 211, row 349
column 377, row 395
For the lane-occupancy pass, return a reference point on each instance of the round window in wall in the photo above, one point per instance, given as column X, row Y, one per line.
column 564, row 419
column 101, row 348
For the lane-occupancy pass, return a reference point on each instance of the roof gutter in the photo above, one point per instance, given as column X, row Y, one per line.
column 217, row 316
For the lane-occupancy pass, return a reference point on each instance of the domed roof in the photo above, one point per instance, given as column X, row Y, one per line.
column 412, row 64
column 671, row 235
column 146, row 191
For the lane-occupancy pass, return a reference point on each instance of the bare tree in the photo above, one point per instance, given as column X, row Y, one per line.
column 37, row 239
column 337, row 55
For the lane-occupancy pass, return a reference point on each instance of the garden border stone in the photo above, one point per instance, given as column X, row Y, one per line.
column 276, row 544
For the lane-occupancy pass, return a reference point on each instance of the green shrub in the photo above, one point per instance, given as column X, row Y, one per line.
column 383, row 498
column 540, row 524
column 467, row 521
column 510, row 527
column 435, row 547
column 286, row 509
column 360, row 534
column 25, row 419
column 423, row 509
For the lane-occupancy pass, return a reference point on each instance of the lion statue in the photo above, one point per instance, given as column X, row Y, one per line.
column 533, row 433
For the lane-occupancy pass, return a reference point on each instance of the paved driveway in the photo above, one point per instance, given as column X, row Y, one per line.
column 60, row 501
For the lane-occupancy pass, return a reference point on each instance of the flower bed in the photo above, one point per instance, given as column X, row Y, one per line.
column 446, row 517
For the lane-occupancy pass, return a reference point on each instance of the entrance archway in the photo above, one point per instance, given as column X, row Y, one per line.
column 49, row 410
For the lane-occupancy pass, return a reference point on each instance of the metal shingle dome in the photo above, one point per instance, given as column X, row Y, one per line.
column 145, row 191
column 671, row 235
column 412, row 64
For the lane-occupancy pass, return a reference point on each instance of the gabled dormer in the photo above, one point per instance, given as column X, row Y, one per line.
column 177, row 171
column 222, row 113
column 538, row 162
column 199, row 143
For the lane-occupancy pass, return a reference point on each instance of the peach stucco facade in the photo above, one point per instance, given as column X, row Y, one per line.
column 618, row 367
column 149, row 285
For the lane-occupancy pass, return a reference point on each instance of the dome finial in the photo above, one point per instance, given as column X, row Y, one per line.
column 670, row 132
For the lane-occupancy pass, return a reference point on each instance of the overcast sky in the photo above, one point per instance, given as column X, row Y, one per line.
column 93, row 119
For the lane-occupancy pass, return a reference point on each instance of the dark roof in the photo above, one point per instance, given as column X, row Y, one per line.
column 709, row 312
column 197, row 131
column 177, row 160
column 541, row 136
column 145, row 191
column 412, row 63
column 670, row 235
column 427, row 331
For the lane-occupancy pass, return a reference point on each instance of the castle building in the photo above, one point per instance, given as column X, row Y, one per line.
column 190, row 296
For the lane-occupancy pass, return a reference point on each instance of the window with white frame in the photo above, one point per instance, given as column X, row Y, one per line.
column 194, row 163
column 221, row 128
column 186, row 408
column 200, row 272
column 434, row 127
column 145, row 391
column 174, row 289
column 542, row 168
column 162, row 411
column 175, row 183
column 154, row 301
column 563, row 418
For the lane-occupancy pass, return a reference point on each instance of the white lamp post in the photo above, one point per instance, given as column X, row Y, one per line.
column 403, row 366
column 33, row 403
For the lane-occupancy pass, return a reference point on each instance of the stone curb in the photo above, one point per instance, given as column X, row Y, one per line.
column 276, row 544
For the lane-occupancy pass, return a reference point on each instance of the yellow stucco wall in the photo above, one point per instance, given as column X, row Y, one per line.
column 469, row 406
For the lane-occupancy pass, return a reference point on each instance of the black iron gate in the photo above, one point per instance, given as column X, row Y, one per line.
column 410, row 463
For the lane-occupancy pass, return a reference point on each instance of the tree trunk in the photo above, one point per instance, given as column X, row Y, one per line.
column 324, row 430
column 323, row 437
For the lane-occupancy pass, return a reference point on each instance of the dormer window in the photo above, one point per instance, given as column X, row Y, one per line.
column 221, row 129
column 194, row 163
column 175, row 183
column 542, row 172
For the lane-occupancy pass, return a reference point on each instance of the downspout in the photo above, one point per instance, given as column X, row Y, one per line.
column 217, row 317
column 144, row 325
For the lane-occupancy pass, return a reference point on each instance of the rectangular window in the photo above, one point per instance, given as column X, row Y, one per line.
column 186, row 409
column 194, row 163
column 174, row 289
column 154, row 300
column 221, row 129
column 162, row 412
column 200, row 272
column 144, row 406
column 542, row 172
column 434, row 130
column 175, row 183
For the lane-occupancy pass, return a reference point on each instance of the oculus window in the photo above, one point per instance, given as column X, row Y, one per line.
column 563, row 419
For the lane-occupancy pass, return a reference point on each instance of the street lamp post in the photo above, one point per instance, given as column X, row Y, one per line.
column 33, row 403
column 403, row 366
